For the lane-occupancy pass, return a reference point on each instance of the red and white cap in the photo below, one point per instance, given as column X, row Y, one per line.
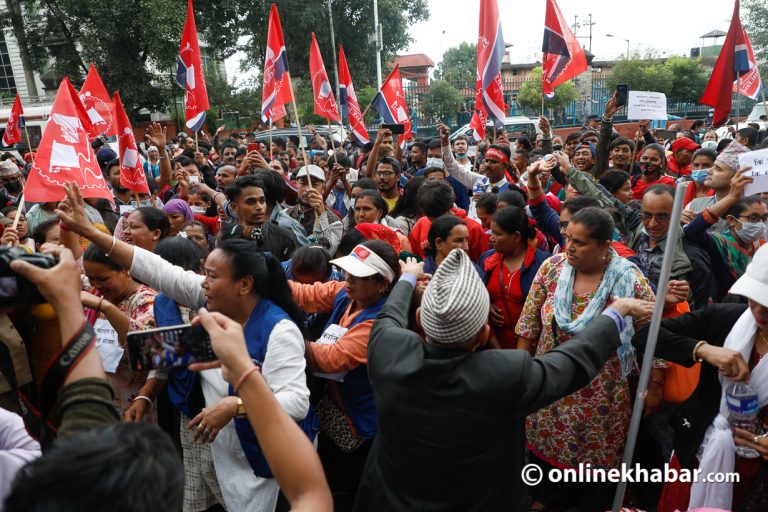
column 363, row 262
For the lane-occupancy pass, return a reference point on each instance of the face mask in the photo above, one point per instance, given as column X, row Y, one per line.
column 13, row 186
column 751, row 231
column 339, row 184
column 699, row 175
column 461, row 155
column 648, row 168
column 200, row 210
column 435, row 162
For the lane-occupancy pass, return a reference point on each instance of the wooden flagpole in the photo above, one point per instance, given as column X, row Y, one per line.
column 333, row 145
column 362, row 118
column 271, row 156
column 298, row 128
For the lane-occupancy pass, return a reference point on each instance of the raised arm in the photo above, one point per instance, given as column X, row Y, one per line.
column 373, row 157
column 604, row 139
column 452, row 167
column 157, row 135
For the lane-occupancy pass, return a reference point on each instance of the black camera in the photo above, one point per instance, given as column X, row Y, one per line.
column 15, row 291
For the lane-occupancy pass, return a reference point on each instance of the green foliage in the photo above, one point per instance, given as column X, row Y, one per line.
column 459, row 64
column 352, row 21
column 530, row 93
column 754, row 16
column 441, row 101
column 678, row 77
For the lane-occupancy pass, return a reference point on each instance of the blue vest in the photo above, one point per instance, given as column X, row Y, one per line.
column 184, row 388
column 257, row 330
column 356, row 392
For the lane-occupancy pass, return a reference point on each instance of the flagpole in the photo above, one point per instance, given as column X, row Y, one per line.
column 298, row 128
column 197, row 147
column 738, row 92
column 29, row 141
column 542, row 104
column 333, row 145
column 18, row 214
column 271, row 156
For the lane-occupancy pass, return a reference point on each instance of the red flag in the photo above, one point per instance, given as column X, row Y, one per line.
column 490, row 53
column 189, row 73
column 276, row 89
column 65, row 154
column 98, row 104
column 563, row 56
column 480, row 117
column 132, row 174
column 325, row 104
column 348, row 100
column 751, row 85
column 389, row 102
column 733, row 60
column 12, row 133
column 82, row 113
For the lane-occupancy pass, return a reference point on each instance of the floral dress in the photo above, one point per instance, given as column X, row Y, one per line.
column 590, row 425
column 138, row 307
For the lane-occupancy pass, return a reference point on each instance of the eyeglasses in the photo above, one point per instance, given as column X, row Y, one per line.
column 384, row 174
column 660, row 217
column 755, row 218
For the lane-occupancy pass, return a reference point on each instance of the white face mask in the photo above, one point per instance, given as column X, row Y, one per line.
column 200, row 210
column 435, row 162
column 751, row 231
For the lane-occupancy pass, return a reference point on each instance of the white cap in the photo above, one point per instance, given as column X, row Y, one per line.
column 314, row 172
column 363, row 262
column 754, row 283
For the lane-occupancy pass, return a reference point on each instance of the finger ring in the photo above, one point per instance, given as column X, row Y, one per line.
column 201, row 427
column 756, row 440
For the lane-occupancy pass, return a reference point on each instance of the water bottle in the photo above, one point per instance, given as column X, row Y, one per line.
column 742, row 413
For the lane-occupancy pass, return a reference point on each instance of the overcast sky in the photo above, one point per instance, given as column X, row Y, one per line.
column 672, row 27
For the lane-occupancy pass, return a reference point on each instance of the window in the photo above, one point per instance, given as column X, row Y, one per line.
column 7, row 82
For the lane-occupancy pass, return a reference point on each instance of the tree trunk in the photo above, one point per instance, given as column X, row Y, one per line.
column 17, row 23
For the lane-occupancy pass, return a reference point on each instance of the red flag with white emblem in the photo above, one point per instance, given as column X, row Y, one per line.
column 325, row 104
column 65, row 153
column 12, row 133
column 98, row 105
column 132, row 174
column 189, row 73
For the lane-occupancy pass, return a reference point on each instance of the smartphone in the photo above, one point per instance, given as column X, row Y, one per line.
column 622, row 95
column 253, row 147
column 169, row 347
column 396, row 129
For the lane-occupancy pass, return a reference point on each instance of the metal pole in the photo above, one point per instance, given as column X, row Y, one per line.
column 653, row 335
column 333, row 48
column 378, row 42
column 738, row 91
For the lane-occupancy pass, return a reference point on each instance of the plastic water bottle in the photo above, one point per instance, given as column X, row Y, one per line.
column 742, row 413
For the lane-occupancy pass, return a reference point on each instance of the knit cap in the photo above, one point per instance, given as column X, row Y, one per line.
column 456, row 303
column 730, row 155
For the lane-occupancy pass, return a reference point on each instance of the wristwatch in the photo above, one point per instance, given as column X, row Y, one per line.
column 240, row 408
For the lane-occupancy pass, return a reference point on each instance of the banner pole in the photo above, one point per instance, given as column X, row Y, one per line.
column 362, row 117
column 333, row 144
column 298, row 128
column 653, row 336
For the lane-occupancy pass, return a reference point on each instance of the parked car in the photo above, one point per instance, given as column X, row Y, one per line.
column 514, row 126
column 339, row 134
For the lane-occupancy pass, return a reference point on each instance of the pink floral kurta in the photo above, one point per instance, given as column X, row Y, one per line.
column 139, row 307
column 590, row 425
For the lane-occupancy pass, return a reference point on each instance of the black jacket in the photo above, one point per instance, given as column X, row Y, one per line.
column 677, row 338
column 270, row 238
column 451, row 423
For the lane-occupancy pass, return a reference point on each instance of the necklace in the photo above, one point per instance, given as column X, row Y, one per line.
column 762, row 337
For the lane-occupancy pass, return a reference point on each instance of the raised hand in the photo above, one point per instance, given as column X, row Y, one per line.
column 157, row 135
column 71, row 211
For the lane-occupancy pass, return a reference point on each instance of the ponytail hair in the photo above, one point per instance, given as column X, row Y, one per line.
column 268, row 279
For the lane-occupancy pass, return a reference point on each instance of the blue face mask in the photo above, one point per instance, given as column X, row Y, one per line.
column 699, row 175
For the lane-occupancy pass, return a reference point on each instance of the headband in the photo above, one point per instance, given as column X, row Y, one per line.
column 497, row 154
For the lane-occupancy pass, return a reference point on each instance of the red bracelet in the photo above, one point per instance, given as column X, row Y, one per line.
column 244, row 376
column 63, row 227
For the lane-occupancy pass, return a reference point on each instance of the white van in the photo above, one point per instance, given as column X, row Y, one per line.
column 514, row 126
column 754, row 116
column 35, row 118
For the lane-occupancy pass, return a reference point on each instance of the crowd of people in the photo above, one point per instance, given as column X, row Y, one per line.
column 399, row 326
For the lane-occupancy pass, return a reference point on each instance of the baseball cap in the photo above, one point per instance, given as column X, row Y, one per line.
column 363, row 262
column 754, row 283
column 314, row 172
column 684, row 143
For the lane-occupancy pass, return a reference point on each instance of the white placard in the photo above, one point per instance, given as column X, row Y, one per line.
column 646, row 105
column 758, row 160
column 331, row 335
column 107, row 345
column 126, row 208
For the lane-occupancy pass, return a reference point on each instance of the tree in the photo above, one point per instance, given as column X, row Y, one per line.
column 459, row 64
column 352, row 20
column 755, row 17
column 680, row 78
column 441, row 101
column 530, row 93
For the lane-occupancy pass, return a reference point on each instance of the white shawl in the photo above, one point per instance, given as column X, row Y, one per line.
column 719, row 450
